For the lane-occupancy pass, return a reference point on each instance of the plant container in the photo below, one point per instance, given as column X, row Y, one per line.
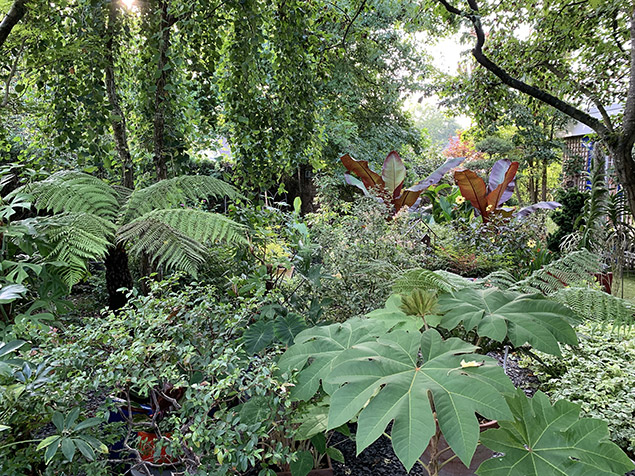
column 456, row 466
column 605, row 280
column 314, row 472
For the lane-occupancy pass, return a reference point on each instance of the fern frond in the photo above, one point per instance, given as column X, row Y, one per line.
column 576, row 267
column 174, row 238
column 75, row 239
column 425, row 279
column 498, row 279
column 74, row 192
column 591, row 304
column 170, row 193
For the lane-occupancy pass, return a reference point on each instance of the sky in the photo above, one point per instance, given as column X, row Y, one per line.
column 446, row 56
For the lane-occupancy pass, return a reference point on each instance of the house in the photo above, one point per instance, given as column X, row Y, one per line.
column 578, row 150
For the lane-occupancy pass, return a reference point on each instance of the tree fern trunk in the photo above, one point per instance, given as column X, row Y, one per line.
column 117, row 276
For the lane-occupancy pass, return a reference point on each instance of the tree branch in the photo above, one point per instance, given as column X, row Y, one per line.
column 587, row 92
column 521, row 86
column 342, row 42
column 14, row 67
column 15, row 14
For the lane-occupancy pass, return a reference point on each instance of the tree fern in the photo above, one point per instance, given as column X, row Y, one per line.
column 591, row 304
column 426, row 280
column 74, row 192
column 577, row 267
column 171, row 193
column 76, row 238
column 174, row 238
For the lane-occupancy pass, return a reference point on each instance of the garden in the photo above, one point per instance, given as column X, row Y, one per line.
column 301, row 238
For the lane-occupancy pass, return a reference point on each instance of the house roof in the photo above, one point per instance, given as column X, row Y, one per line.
column 576, row 129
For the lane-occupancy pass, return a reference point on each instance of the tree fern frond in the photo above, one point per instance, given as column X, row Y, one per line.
column 74, row 192
column 426, row 280
column 170, row 193
column 174, row 238
column 576, row 267
column 164, row 245
column 591, row 304
column 498, row 279
column 76, row 238
column 196, row 224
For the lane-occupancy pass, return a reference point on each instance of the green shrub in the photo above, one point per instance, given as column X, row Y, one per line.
column 185, row 340
column 599, row 376
column 364, row 251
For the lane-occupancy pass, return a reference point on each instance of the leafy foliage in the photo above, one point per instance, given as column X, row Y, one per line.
column 573, row 268
column 598, row 306
column 175, row 238
column 322, row 345
column 594, row 376
column 545, row 439
column 74, row 192
column 426, row 279
column 502, row 314
column 88, row 220
column 389, row 185
column 403, row 374
column 172, row 193
column 487, row 199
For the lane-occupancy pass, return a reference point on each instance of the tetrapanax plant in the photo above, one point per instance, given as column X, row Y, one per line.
column 389, row 185
column 487, row 199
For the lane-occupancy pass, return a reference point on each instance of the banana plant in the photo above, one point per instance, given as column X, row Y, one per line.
column 388, row 185
column 487, row 199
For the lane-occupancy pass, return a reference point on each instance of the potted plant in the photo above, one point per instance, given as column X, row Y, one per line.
column 297, row 447
column 385, row 368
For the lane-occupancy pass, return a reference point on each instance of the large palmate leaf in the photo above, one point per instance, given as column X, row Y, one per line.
column 393, row 317
column 551, row 440
column 521, row 318
column 393, row 173
column 323, row 344
column 399, row 376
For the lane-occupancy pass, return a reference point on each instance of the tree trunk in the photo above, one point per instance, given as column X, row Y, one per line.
column 160, row 95
column 11, row 19
column 118, row 119
column 625, row 170
column 544, row 180
column 117, row 276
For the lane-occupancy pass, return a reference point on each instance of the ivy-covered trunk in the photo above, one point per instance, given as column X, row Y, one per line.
column 117, row 276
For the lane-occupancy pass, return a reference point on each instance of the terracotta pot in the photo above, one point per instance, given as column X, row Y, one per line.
column 456, row 467
column 314, row 472
column 605, row 280
column 147, row 443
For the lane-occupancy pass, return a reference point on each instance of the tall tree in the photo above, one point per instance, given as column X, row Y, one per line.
column 14, row 15
column 118, row 118
column 576, row 52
